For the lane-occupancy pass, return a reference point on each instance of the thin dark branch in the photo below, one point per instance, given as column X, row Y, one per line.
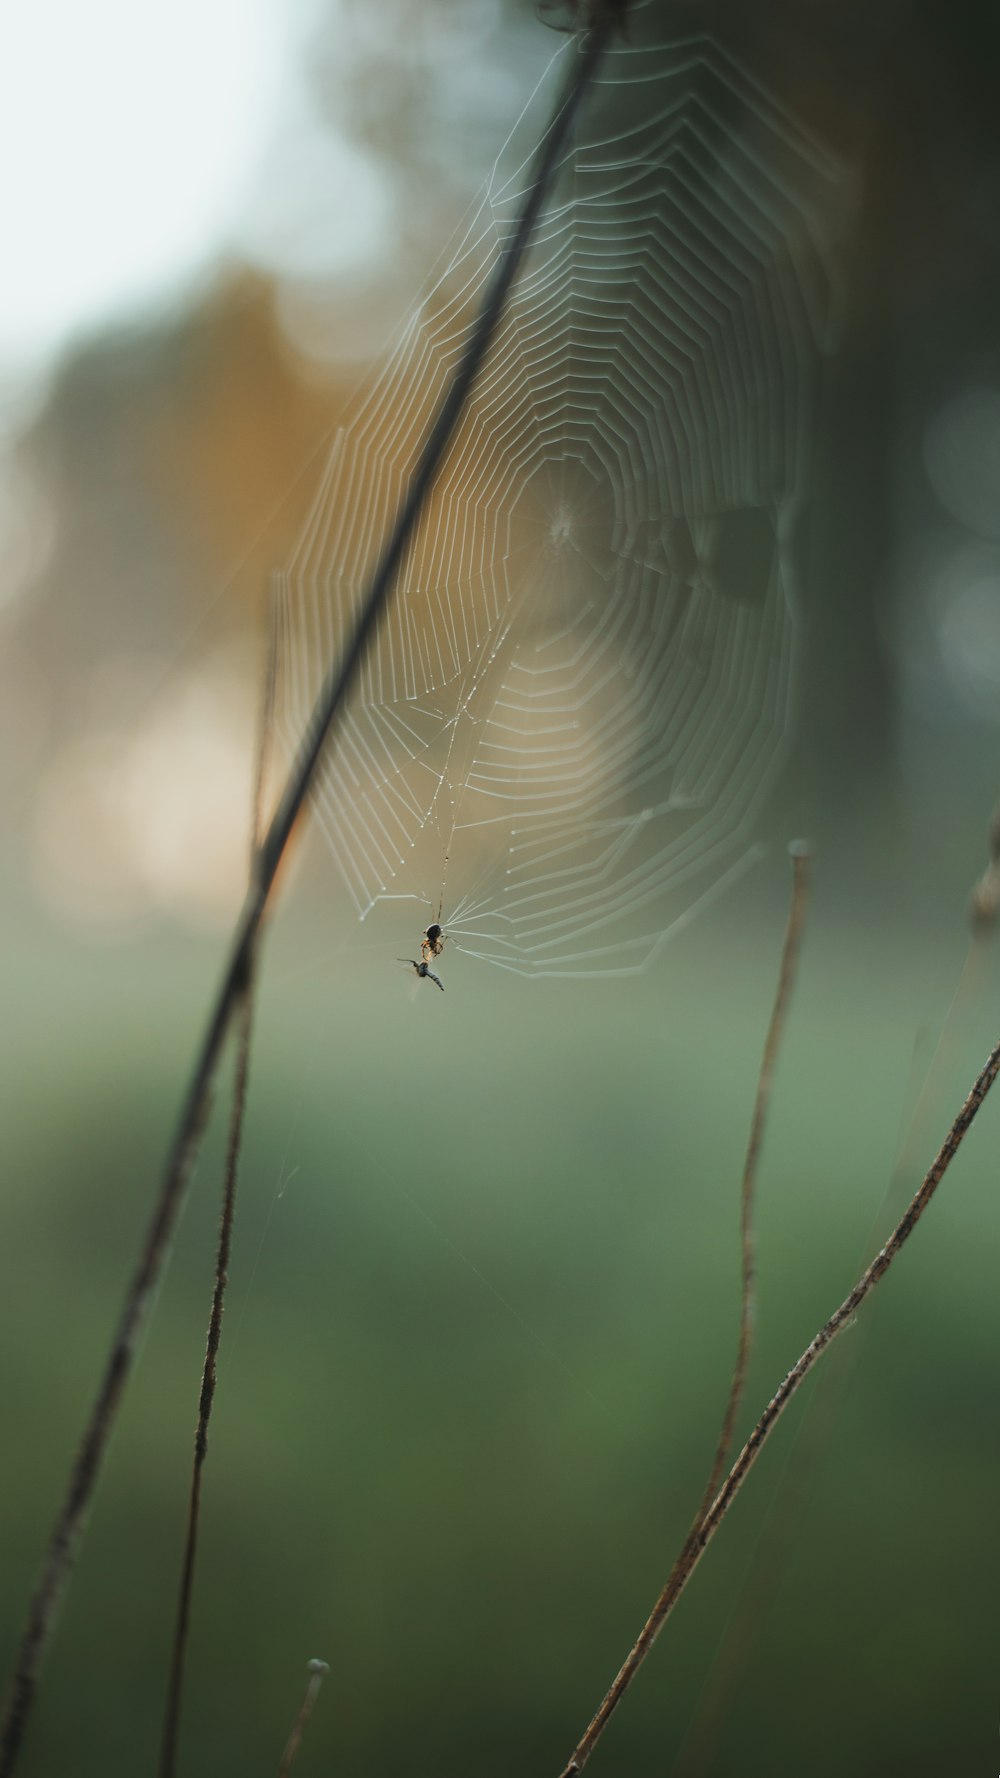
column 805, row 1456
column 178, row 1652
column 772, row 1044
column 701, row 1536
column 70, row 1521
column 758, row 1123
column 762, row 1099
column 317, row 1671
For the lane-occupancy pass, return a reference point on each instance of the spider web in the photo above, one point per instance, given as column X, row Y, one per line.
column 583, row 687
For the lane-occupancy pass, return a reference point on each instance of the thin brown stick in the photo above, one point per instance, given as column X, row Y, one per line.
column 800, row 856
column 69, row 1524
column 701, row 1536
column 317, row 1671
column 758, row 1122
column 178, row 1652
column 804, row 1458
column 791, row 947
column 984, row 903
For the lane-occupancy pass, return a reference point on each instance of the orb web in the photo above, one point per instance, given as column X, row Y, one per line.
column 583, row 686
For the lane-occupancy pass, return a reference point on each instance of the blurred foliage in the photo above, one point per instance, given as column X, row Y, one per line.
column 481, row 1322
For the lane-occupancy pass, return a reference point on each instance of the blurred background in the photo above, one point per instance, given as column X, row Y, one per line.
column 484, row 1295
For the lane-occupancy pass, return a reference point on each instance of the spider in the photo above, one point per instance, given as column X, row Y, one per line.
column 431, row 946
column 432, row 943
column 422, row 968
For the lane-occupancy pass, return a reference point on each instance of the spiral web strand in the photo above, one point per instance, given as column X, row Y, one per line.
column 584, row 685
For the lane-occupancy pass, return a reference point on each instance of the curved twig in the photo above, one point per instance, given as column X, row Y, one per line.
column 213, row 1340
column 793, row 1486
column 762, row 1101
column 317, row 1671
column 701, row 1535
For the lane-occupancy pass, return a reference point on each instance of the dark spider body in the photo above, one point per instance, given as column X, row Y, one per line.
column 431, row 946
column 432, row 943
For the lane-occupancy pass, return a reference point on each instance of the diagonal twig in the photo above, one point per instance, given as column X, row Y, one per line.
column 317, row 1671
column 799, row 853
column 69, row 1523
column 798, row 1478
column 701, row 1534
column 178, row 1653
column 758, row 1122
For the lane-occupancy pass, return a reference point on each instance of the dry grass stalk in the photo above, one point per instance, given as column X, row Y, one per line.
column 69, row 1525
column 178, row 1653
column 702, row 1533
column 317, row 1671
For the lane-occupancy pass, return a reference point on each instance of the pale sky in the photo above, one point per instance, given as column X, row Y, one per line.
column 139, row 143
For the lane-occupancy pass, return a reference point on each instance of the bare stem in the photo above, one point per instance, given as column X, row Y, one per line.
column 762, row 1099
column 798, row 1477
column 317, row 1671
column 175, row 1681
column 758, row 1122
column 69, row 1524
column 178, row 1653
column 701, row 1535
column 984, row 904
